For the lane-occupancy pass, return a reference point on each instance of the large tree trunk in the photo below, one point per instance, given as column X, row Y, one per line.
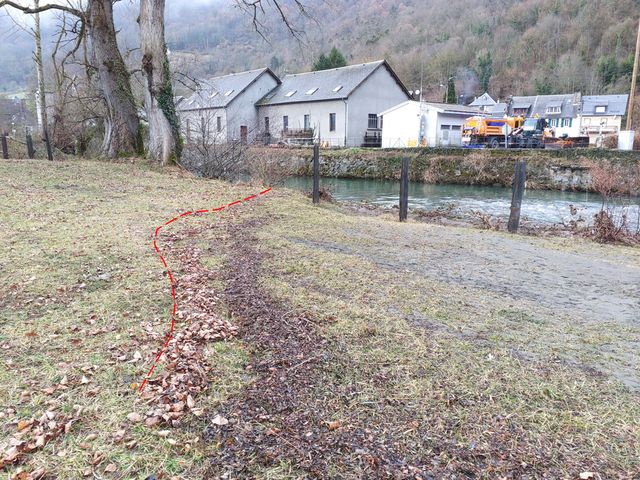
column 164, row 129
column 122, row 136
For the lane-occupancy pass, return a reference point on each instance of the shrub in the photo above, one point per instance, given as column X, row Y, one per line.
column 268, row 170
column 619, row 217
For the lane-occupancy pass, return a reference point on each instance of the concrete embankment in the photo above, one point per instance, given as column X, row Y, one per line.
column 546, row 169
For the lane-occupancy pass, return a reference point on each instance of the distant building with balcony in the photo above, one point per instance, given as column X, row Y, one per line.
column 223, row 109
column 561, row 111
column 602, row 116
column 339, row 107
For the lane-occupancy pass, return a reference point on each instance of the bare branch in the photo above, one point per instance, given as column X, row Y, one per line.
column 26, row 9
column 256, row 9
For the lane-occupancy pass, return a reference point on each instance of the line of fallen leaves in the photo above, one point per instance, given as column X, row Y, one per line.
column 172, row 394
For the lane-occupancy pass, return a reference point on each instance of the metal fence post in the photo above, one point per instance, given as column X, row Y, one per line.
column 404, row 189
column 519, row 179
column 316, row 173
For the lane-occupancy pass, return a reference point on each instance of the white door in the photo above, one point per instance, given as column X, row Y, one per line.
column 444, row 135
column 455, row 137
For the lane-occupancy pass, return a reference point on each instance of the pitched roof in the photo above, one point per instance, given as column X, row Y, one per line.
column 219, row 92
column 453, row 108
column 498, row 109
column 569, row 105
column 333, row 84
column 615, row 104
column 483, row 100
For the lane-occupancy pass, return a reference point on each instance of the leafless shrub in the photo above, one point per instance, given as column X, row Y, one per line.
column 209, row 154
column 435, row 171
column 619, row 217
column 325, row 194
column 478, row 167
column 610, row 142
column 486, row 221
column 268, row 170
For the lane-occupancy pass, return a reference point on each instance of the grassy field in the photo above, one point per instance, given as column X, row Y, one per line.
column 400, row 350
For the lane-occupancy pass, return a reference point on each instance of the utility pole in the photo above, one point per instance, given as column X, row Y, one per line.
column 634, row 75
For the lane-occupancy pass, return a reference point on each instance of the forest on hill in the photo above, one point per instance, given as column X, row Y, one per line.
column 514, row 47
column 533, row 46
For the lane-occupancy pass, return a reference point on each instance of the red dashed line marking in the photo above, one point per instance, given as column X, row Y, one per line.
column 171, row 280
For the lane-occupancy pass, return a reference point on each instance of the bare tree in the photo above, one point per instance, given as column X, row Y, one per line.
column 121, row 130
column 42, row 97
column 165, row 144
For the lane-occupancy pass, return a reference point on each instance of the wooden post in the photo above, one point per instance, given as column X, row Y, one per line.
column 48, row 142
column 404, row 189
column 634, row 76
column 519, row 179
column 5, row 146
column 30, row 151
column 316, row 173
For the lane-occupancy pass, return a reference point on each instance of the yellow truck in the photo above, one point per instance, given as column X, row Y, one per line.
column 489, row 132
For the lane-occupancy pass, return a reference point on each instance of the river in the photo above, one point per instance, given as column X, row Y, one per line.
column 538, row 206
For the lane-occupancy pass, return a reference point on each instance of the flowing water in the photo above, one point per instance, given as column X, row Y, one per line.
column 539, row 206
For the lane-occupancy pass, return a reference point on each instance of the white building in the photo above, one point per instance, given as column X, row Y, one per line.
column 413, row 124
column 602, row 116
column 339, row 106
column 224, row 108
column 484, row 103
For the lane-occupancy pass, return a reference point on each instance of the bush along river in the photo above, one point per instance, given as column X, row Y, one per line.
column 538, row 206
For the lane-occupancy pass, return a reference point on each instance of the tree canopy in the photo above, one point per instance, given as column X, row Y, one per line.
column 335, row 59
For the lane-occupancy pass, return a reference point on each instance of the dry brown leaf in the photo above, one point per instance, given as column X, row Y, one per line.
column 334, row 425
column 24, row 424
column 134, row 417
column 219, row 420
column 152, row 421
column 110, row 468
column 164, row 433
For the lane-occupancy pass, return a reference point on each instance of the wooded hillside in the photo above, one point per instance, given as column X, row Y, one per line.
column 535, row 46
column 525, row 47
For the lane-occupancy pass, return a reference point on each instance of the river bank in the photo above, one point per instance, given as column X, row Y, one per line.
column 565, row 170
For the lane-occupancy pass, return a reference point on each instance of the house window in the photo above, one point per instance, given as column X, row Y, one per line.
column 455, row 128
column 219, row 124
column 551, row 110
column 307, row 122
column 332, row 122
column 373, row 120
column 285, row 123
column 568, row 122
column 601, row 109
column 266, row 124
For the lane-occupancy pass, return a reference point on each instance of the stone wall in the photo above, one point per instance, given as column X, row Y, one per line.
column 546, row 169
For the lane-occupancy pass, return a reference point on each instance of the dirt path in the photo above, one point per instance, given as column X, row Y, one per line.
column 285, row 416
column 591, row 287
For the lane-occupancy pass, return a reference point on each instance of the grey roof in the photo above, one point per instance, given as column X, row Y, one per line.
column 333, row 84
column 499, row 109
column 454, row 109
column 569, row 105
column 219, row 92
column 483, row 100
column 615, row 104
